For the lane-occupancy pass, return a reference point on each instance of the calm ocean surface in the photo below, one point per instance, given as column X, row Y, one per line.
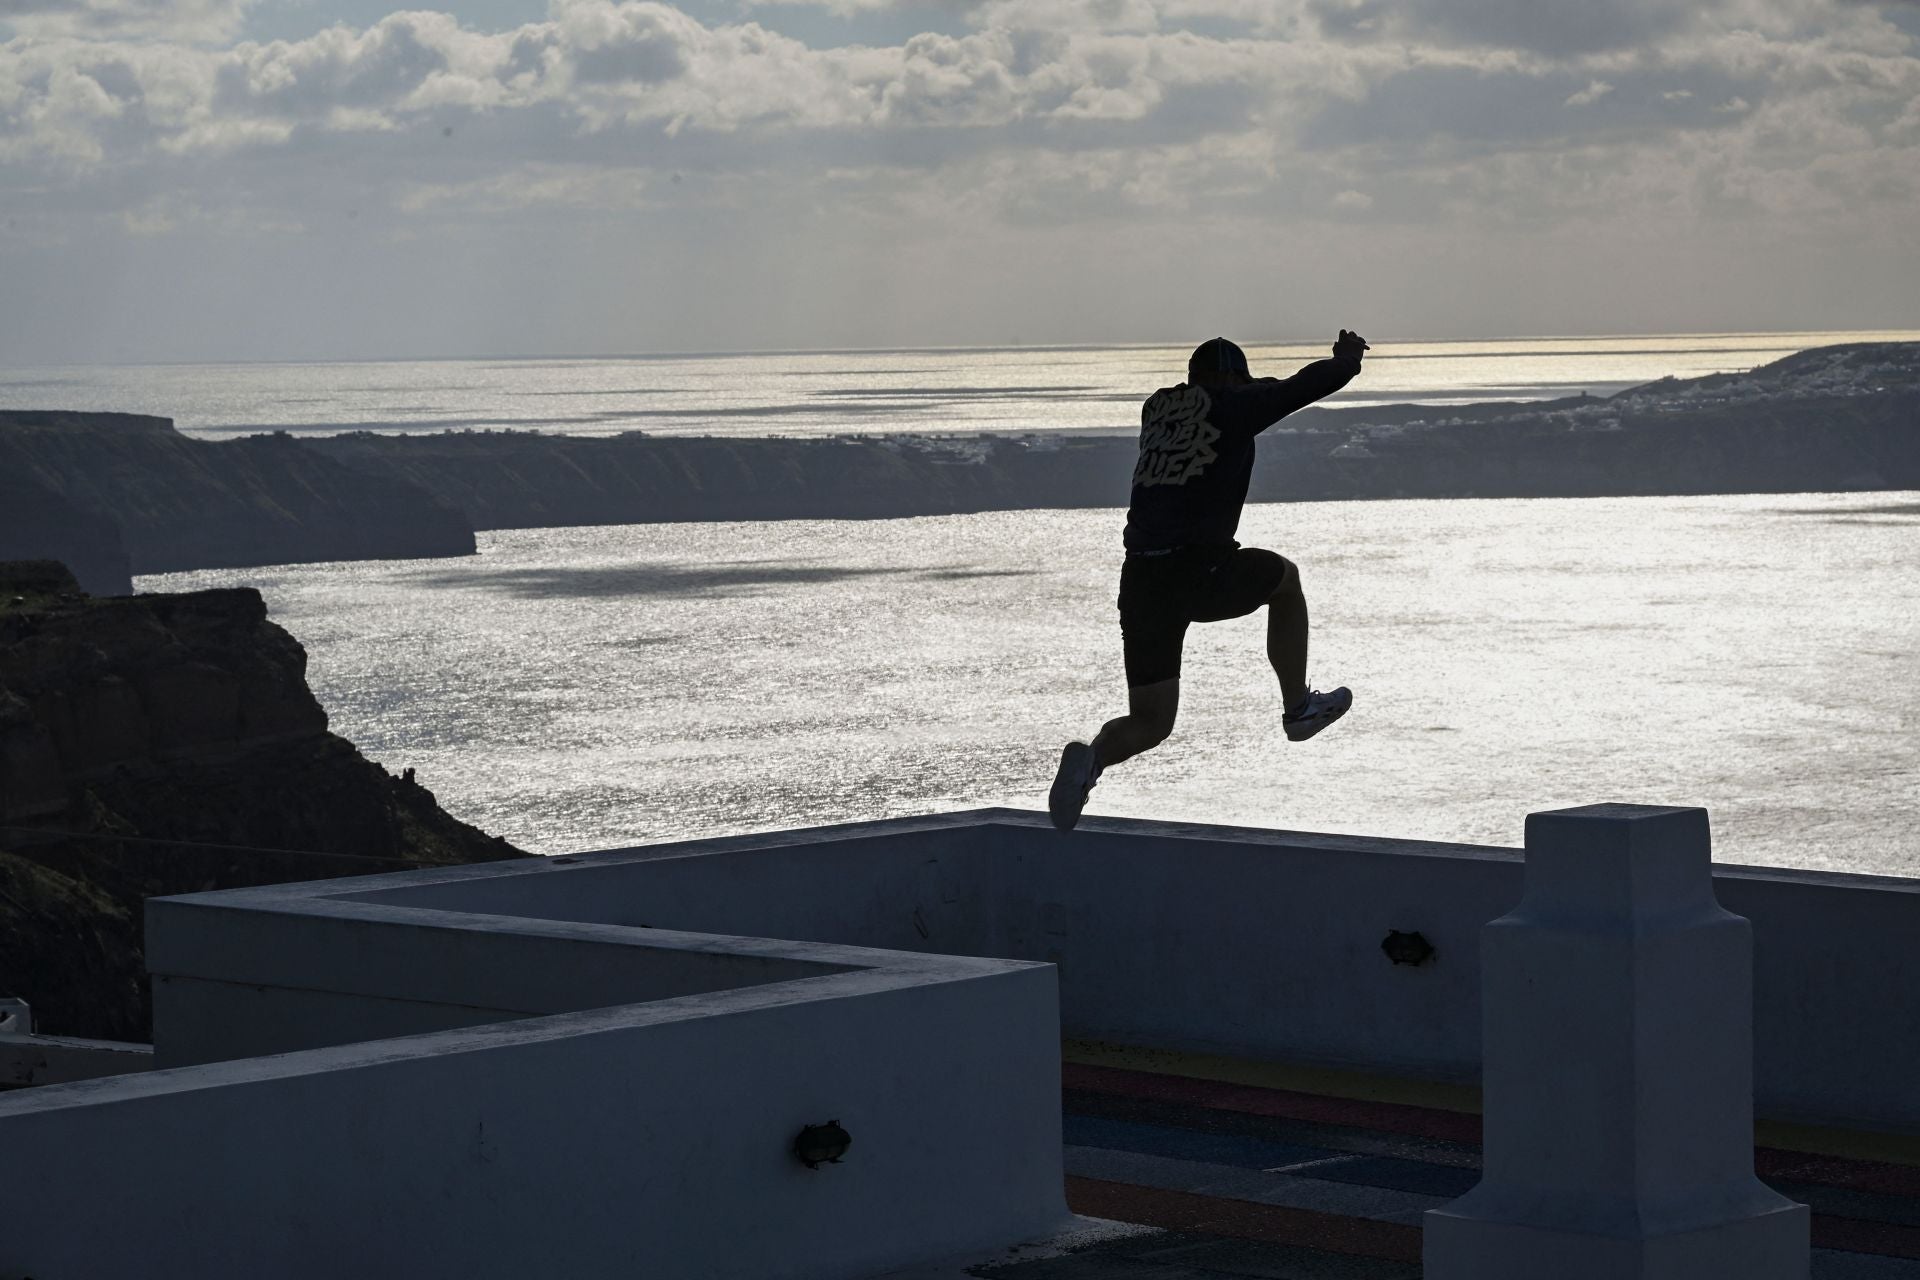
column 1089, row 389
column 583, row 688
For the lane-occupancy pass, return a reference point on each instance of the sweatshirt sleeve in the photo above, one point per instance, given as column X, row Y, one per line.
column 1272, row 399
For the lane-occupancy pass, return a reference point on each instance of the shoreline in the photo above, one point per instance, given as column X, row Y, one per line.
column 119, row 494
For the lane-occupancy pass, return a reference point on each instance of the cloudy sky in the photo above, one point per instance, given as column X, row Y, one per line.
column 311, row 179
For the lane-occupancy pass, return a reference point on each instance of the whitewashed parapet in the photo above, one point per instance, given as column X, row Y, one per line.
column 1617, row 1017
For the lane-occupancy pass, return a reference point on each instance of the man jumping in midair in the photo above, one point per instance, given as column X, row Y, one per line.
column 1183, row 565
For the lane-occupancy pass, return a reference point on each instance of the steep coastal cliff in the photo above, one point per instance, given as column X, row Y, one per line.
column 1835, row 418
column 522, row 480
column 37, row 523
column 1832, row 419
column 115, row 493
column 165, row 744
column 178, row 503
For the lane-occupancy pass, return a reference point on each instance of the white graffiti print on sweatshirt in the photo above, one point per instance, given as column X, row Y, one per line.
column 1176, row 440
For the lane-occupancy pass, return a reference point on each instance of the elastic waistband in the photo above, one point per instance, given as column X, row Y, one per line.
column 1211, row 550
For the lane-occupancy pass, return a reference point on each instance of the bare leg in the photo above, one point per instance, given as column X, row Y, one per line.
column 1287, row 637
column 1151, row 709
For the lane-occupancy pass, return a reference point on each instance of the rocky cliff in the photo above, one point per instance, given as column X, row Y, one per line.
column 1835, row 418
column 38, row 523
column 1840, row 418
column 522, row 480
column 178, row 503
column 165, row 744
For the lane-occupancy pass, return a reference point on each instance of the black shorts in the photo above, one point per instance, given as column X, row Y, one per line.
column 1161, row 595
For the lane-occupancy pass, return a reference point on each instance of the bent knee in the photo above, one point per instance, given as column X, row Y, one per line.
column 1289, row 580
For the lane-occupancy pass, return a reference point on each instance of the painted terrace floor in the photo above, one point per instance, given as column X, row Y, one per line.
column 1247, row 1170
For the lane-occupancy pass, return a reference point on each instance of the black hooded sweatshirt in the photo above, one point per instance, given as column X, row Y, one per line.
column 1196, row 453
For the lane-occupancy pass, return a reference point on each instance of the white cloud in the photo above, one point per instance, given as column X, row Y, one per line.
column 843, row 8
column 1104, row 16
column 191, row 20
column 1270, row 119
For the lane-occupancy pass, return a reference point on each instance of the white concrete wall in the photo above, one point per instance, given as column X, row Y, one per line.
column 274, row 970
column 1834, row 966
column 1259, row 943
column 647, row 1140
column 1205, row 938
column 29, row 1061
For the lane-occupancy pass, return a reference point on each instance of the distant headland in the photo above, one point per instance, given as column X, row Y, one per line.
column 118, row 494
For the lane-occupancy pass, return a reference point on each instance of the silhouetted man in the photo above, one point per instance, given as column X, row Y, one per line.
column 1183, row 565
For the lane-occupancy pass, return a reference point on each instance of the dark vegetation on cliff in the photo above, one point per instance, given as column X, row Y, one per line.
column 179, row 503
column 165, row 744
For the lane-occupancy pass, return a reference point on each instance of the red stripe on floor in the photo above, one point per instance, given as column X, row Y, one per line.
column 1218, row 1095
column 1452, row 1126
column 1242, row 1219
column 1367, row 1238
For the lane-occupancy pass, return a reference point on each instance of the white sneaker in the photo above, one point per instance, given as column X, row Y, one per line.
column 1322, row 709
column 1079, row 770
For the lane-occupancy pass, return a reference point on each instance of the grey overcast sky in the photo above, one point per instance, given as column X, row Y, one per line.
column 320, row 179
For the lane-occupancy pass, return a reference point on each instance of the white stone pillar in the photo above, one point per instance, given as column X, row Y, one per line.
column 1617, row 1060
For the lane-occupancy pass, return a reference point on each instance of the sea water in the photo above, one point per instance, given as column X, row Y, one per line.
column 591, row 688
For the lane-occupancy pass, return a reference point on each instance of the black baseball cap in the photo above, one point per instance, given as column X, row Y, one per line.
column 1217, row 355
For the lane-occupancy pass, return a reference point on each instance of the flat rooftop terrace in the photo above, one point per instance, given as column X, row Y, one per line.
column 1143, row 1050
column 1233, row 1168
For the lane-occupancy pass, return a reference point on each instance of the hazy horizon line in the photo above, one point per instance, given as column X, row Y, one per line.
column 921, row 349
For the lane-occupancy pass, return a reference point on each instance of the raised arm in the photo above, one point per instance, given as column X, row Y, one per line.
column 1275, row 398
